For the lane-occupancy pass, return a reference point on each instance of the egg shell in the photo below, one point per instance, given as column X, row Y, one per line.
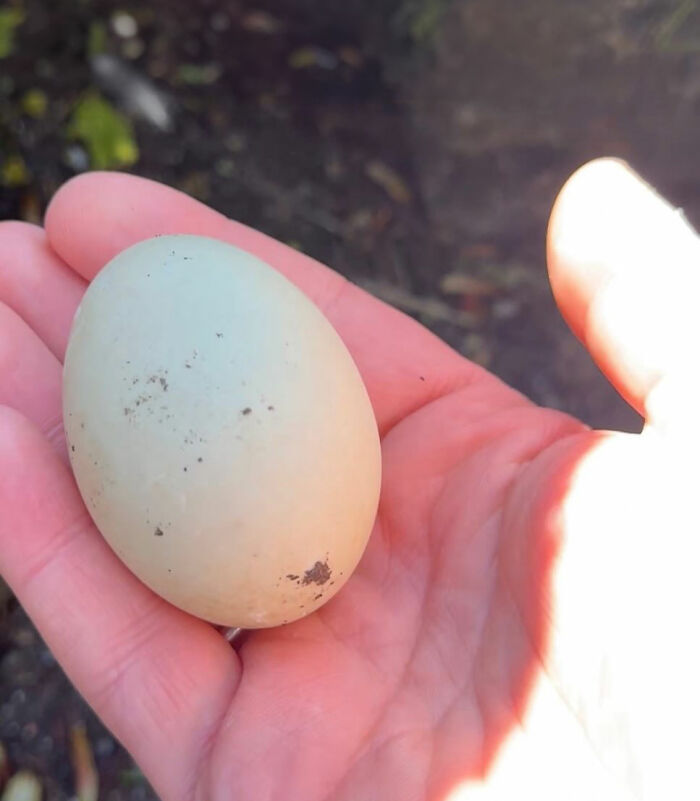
column 219, row 432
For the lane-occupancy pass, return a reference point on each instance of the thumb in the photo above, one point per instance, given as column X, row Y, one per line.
column 600, row 553
column 625, row 269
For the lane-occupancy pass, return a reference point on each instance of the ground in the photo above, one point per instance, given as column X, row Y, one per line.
column 414, row 145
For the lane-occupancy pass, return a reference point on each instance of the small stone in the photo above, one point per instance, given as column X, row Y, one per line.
column 104, row 747
column 133, row 48
column 506, row 308
column 225, row 167
column 76, row 158
column 23, row 786
column 124, row 25
column 25, row 636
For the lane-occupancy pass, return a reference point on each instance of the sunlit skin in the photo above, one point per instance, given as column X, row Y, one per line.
column 523, row 623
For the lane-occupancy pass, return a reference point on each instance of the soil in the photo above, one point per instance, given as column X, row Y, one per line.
column 414, row 145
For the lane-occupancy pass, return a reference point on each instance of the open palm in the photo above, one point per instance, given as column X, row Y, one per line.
column 483, row 646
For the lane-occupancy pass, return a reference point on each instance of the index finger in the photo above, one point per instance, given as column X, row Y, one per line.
column 623, row 264
column 95, row 216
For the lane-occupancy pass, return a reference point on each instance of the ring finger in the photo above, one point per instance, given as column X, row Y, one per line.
column 30, row 376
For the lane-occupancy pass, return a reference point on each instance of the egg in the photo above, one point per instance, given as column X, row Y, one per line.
column 219, row 432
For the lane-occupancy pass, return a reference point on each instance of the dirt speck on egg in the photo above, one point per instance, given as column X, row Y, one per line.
column 318, row 574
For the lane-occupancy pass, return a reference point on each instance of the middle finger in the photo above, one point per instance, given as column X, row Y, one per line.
column 37, row 285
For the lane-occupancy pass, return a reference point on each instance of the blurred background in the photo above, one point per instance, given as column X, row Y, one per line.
column 414, row 145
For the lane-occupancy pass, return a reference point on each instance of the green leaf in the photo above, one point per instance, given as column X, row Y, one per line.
column 106, row 133
column 10, row 20
column 131, row 777
column 421, row 19
column 671, row 35
column 198, row 74
column 34, row 103
column 97, row 38
column 14, row 172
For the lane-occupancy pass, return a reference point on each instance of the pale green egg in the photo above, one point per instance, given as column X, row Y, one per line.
column 219, row 432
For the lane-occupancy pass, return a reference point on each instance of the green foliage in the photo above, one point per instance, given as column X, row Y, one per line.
column 198, row 74
column 34, row 103
column 106, row 133
column 97, row 38
column 10, row 20
column 669, row 36
column 420, row 19
column 131, row 777
column 14, row 172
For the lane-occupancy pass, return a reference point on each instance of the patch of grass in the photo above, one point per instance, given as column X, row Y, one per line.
column 667, row 39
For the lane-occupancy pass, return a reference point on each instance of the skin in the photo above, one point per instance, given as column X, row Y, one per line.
column 523, row 621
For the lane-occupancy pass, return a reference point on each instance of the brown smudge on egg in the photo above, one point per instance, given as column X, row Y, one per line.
column 318, row 574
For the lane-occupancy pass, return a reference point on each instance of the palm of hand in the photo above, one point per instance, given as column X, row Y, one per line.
column 388, row 686
column 419, row 672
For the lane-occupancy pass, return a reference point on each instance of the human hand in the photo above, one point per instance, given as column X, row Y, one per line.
column 522, row 619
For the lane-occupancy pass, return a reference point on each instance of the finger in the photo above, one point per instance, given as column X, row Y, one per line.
column 625, row 269
column 95, row 216
column 599, row 555
column 37, row 284
column 30, row 376
column 159, row 678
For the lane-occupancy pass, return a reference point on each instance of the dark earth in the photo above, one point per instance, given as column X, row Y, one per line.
column 415, row 145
